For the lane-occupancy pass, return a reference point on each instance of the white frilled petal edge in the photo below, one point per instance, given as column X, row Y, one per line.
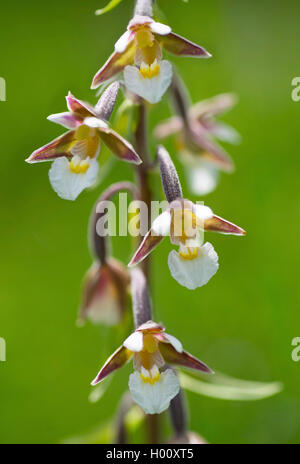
column 154, row 399
column 196, row 272
column 151, row 89
column 67, row 184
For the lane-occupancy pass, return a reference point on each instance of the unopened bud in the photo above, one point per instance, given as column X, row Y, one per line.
column 107, row 101
column 104, row 293
column 169, row 177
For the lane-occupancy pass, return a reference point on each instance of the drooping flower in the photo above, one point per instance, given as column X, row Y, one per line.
column 138, row 53
column 104, row 293
column 151, row 387
column 74, row 154
column 105, row 285
column 185, row 222
column 196, row 129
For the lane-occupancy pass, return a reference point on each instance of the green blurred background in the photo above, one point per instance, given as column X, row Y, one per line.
column 243, row 321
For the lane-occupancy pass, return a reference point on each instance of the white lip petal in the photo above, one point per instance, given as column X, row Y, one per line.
column 196, row 272
column 203, row 178
column 174, row 342
column 160, row 29
column 134, row 342
column 151, row 89
column 162, row 224
column 66, row 183
column 154, row 399
column 122, row 43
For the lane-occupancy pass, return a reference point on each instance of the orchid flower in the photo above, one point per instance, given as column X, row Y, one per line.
column 74, row 154
column 138, row 53
column 151, row 348
column 195, row 129
column 185, row 222
column 105, row 285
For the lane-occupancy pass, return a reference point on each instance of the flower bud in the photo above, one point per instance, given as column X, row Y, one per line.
column 104, row 293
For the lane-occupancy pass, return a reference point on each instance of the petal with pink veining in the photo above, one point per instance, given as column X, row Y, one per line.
column 119, row 146
column 148, row 244
column 184, row 359
column 115, row 64
column 79, row 107
column 55, row 149
column 169, row 127
column 214, row 106
column 120, row 357
column 199, row 137
column 178, row 45
column 167, row 338
column 67, row 119
column 218, row 224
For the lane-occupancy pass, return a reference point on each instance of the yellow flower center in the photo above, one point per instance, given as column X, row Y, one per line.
column 151, row 376
column 149, row 71
column 189, row 254
column 84, row 132
column 184, row 224
column 150, row 343
column 78, row 166
column 144, row 38
column 86, row 143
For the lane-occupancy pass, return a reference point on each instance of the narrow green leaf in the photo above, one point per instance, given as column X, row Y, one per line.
column 110, row 6
column 228, row 388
